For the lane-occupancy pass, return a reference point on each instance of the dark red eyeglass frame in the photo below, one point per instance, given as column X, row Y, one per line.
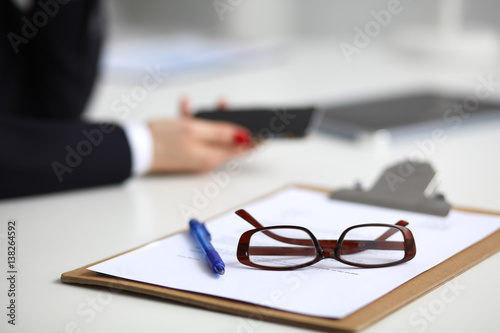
column 323, row 249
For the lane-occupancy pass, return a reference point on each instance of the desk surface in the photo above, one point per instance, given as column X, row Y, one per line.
column 60, row 232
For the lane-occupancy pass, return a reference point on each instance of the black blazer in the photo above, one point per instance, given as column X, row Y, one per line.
column 48, row 65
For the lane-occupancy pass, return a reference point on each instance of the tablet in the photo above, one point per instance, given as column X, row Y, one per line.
column 399, row 116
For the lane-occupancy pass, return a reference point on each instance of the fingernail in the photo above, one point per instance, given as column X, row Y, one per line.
column 222, row 105
column 242, row 137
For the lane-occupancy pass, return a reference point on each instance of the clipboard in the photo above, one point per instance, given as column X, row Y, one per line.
column 420, row 198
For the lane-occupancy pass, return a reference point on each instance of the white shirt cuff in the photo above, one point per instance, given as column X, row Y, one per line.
column 141, row 147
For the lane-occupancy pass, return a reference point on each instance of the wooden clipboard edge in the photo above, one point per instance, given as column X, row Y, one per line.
column 366, row 316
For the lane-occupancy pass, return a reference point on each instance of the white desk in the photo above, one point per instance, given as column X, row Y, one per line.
column 60, row 232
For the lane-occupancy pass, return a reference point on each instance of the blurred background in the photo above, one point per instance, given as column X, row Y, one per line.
column 450, row 35
column 334, row 50
column 284, row 18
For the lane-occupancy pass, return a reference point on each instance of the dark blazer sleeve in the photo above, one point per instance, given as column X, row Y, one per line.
column 48, row 66
column 39, row 156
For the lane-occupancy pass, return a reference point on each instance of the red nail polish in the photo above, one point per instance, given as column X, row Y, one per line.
column 242, row 138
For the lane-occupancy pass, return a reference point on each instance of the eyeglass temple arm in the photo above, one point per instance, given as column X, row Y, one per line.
column 392, row 231
column 357, row 247
column 250, row 219
column 281, row 251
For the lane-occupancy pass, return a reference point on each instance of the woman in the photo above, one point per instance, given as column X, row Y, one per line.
column 48, row 66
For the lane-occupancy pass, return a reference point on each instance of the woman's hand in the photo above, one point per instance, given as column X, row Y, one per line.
column 196, row 145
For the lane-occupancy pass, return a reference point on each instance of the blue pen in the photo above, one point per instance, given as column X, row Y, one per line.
column 202, row 237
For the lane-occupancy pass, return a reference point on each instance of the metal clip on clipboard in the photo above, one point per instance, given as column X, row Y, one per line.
column 406, row 186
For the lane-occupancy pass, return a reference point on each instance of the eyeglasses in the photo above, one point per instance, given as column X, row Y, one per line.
column 287, row 247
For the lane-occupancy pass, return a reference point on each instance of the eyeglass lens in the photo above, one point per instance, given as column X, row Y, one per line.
column 270, row 248
column 372, row 245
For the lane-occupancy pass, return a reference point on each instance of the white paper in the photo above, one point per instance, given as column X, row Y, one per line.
column 326, row 289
